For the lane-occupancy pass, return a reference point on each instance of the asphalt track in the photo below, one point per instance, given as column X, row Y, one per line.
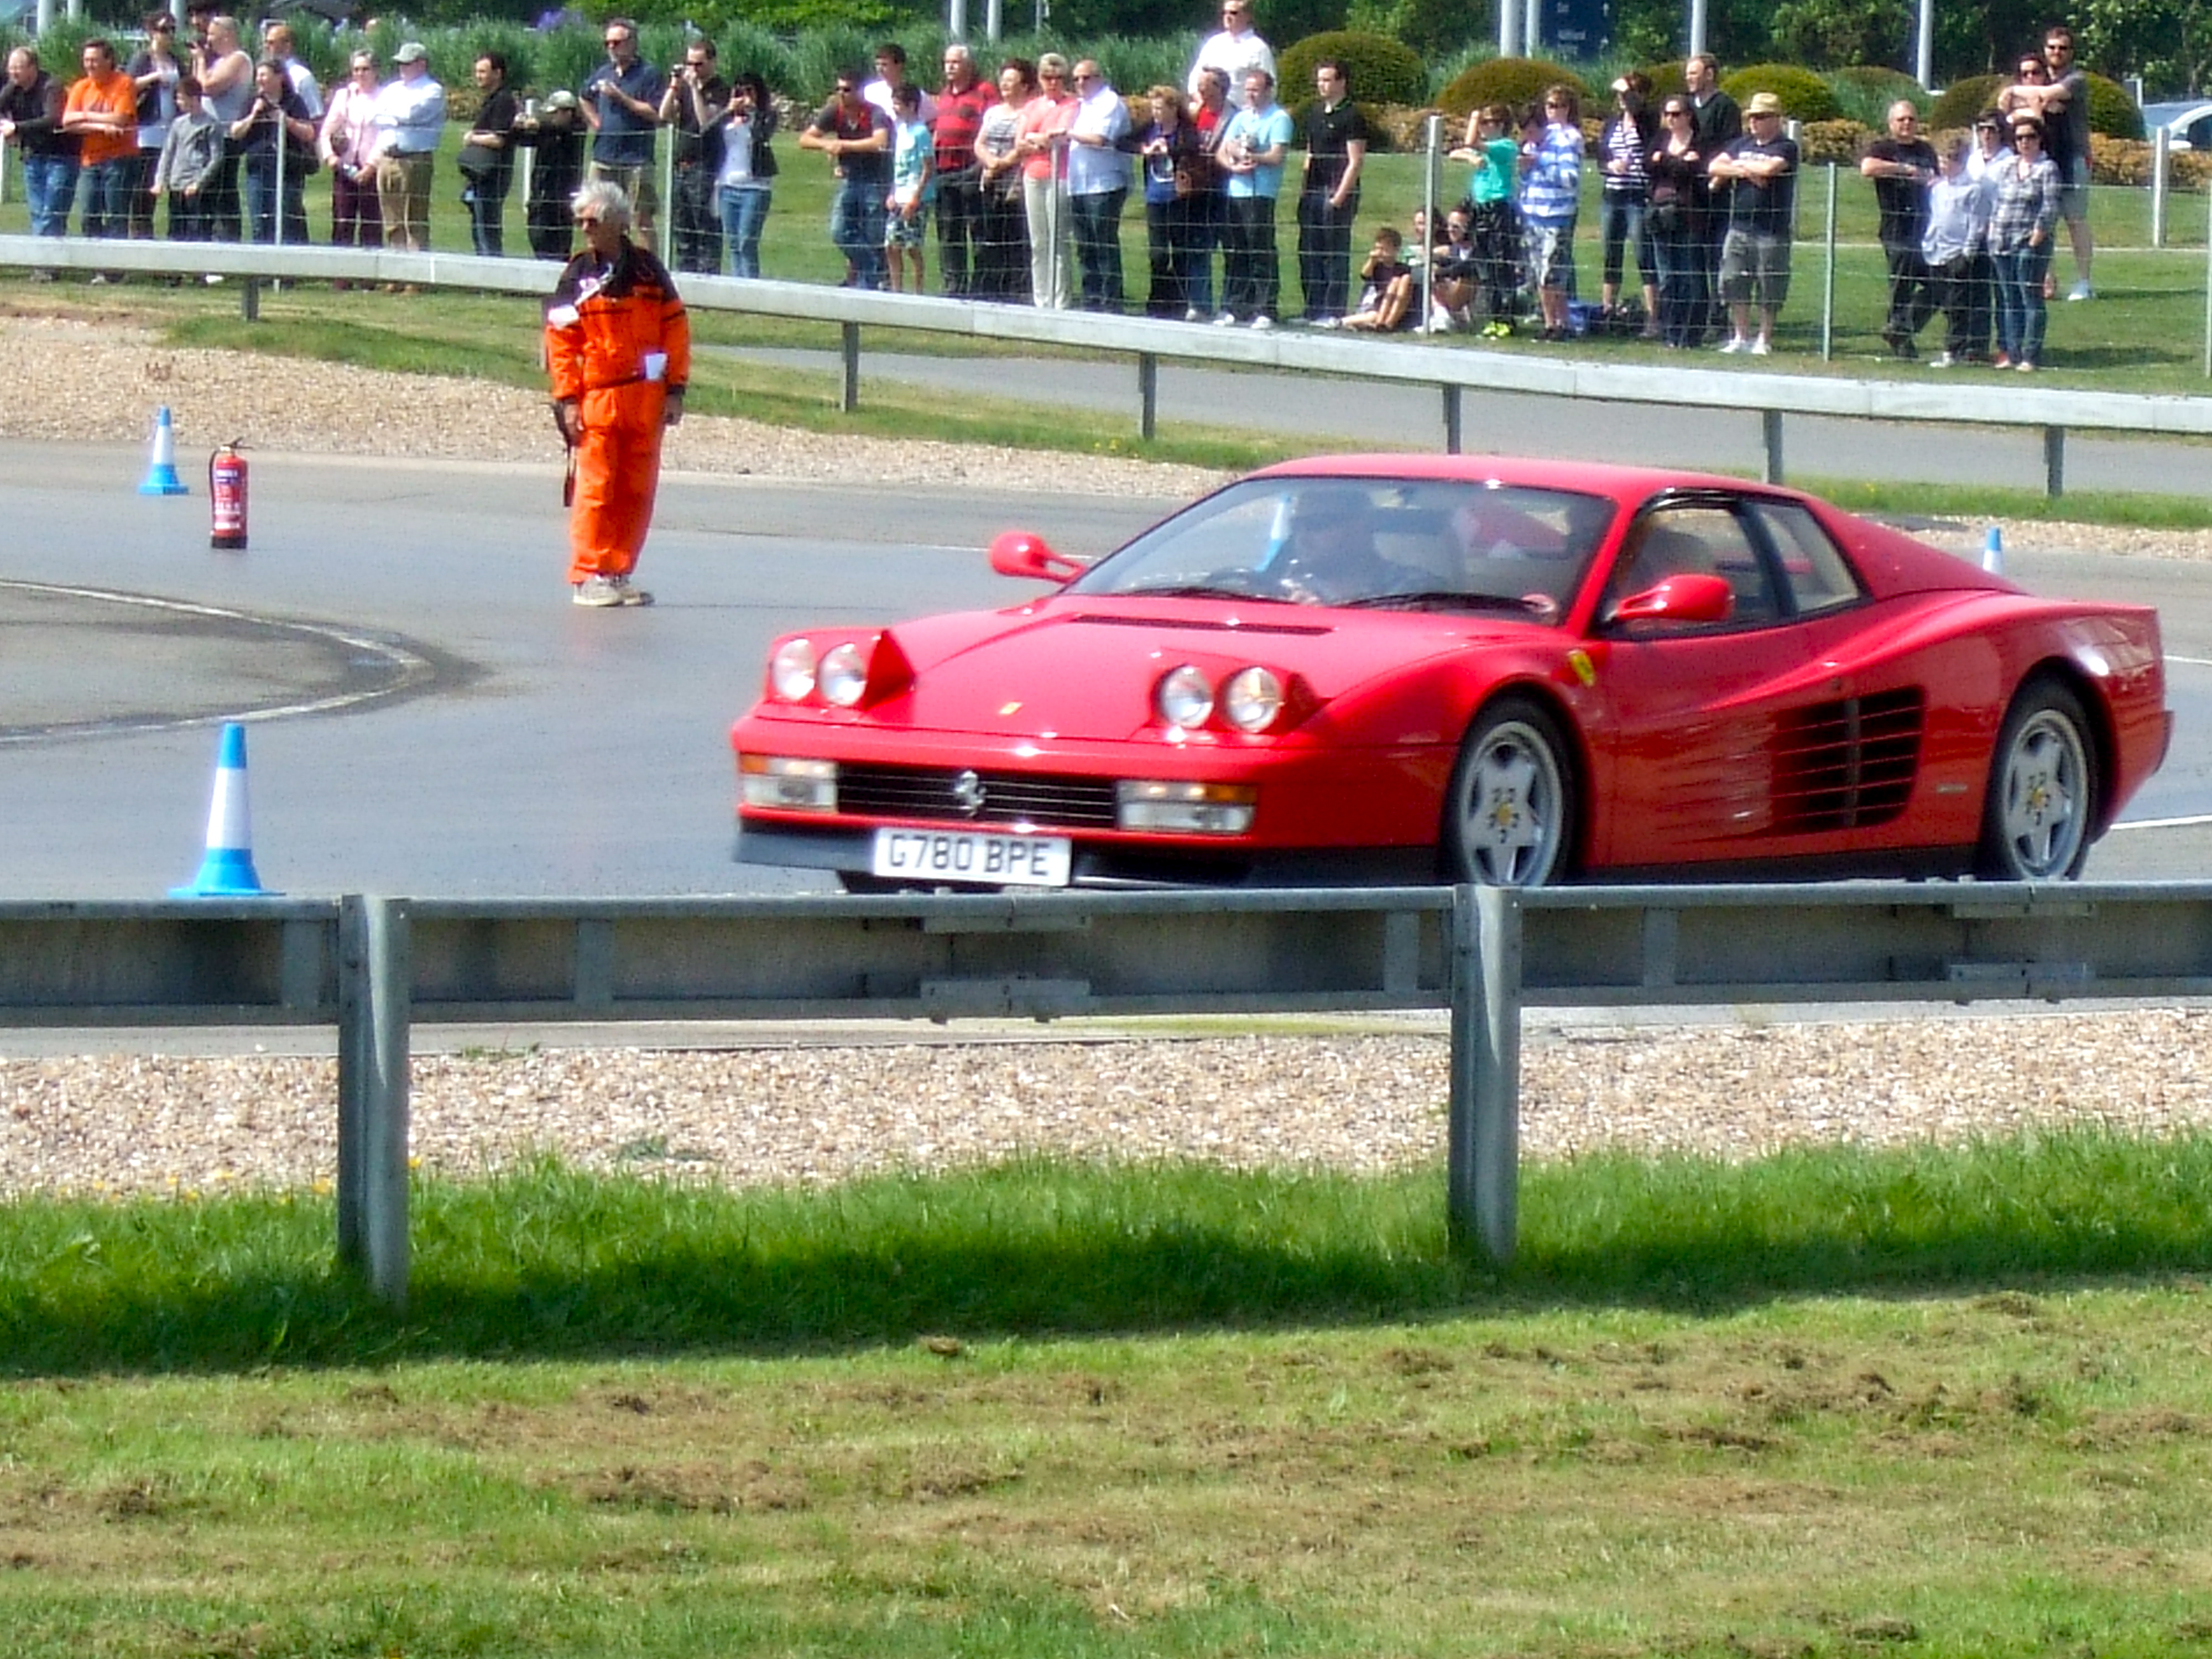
column 433, row 718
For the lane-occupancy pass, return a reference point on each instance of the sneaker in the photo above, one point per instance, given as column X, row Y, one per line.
column 1940, row 360
column 625, row 594
column 1328, row 322
column 1262, row 323
column 2000, row 361
column 1226, row 319
column 1731, row 347
column 99, row 279
column 597, row 591
column 1761, row 349
column 2080, row 291
column 213, row 279
column 2025, row 366
column 1194, row 315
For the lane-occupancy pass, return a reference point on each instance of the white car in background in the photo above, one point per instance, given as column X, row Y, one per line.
column 2188, row 123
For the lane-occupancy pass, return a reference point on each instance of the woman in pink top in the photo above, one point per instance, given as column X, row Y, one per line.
column 348, row 132
column 1041, row 140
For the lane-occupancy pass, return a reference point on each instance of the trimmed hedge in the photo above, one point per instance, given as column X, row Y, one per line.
column 1382, row 70
column 1819, row 142
column 1805, row 96
column 1866, row 91
column 1514, row 81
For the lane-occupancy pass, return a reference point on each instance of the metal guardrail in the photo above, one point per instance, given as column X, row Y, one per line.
column 373, row 967
column 1453, row 369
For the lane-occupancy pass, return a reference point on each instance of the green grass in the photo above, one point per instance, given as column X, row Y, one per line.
column 548, row 1261
column 1924, row 1403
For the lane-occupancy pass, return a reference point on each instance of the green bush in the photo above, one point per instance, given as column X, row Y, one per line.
column 1381, row 70
column 2111, row 111
column 1514, row 80
column 1866, row 91
column 1429, row 27
column 1962, row 101
column 1805, row 96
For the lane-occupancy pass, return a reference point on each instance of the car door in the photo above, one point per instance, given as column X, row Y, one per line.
column 1692, row 710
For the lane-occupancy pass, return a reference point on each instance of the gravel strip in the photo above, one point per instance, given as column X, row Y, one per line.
column 84, row 368
column 120, row 1126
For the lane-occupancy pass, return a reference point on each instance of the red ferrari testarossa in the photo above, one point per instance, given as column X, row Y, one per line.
column 1422, row 668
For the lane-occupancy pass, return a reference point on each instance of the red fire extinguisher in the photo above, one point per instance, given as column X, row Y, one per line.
column 227, row 497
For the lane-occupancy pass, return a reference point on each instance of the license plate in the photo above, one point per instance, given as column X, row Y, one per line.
column 969, row 855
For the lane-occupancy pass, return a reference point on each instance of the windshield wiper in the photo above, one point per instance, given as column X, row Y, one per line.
column 1198, row 591
column 1435, row 598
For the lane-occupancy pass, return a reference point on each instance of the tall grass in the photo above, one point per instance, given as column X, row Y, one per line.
column 545, row 1260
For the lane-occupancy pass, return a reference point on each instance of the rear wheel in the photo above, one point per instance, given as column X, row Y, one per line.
column 1510, row 814
column 2042, row 789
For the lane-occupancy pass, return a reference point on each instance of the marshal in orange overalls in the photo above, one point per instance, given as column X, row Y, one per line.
column 619, row 346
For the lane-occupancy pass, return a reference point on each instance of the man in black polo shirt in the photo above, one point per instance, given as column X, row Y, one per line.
column 696, row 95
column 1902, row 164
column 1329, row 198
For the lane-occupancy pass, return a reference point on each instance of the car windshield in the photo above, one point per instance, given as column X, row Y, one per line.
column 1375, row 544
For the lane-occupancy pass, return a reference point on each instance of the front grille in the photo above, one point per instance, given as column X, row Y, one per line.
column 930, row 792
column 1849, row 764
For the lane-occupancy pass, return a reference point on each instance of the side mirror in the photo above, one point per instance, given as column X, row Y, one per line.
column 1680, row 599
column 1021, row 553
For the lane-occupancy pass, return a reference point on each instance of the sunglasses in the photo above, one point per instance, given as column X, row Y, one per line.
column 2021, row 135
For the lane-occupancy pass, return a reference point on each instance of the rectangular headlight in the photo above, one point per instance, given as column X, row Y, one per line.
column 1192, row 809
column 784, row 785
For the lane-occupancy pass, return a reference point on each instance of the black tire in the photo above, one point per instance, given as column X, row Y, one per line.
column 2044, row 789
column 1509, row 813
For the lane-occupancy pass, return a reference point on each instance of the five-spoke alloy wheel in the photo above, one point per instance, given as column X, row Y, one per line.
column 1508, row 820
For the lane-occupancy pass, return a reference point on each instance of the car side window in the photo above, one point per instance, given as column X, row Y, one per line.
column 1812, row 569
column 1697, row 540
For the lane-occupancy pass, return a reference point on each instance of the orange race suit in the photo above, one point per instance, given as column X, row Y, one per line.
column 618, row 346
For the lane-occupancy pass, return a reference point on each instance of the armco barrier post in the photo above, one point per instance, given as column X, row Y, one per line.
column 374, row 979
column 1483, row 1139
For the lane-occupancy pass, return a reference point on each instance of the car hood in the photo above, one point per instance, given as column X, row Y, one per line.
column 1080, row 667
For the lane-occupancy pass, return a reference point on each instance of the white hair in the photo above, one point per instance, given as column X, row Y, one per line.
column 604, row 199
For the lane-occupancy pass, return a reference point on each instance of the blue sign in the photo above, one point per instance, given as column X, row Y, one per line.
column 1577, row 28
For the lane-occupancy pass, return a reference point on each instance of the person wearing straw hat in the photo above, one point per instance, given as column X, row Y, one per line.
column 1761, row 168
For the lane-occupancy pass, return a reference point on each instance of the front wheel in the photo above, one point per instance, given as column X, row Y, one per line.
column 2043, row 790
column 1509, row 815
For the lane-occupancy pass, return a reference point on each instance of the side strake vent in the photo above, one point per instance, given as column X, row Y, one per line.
column 1848, row 765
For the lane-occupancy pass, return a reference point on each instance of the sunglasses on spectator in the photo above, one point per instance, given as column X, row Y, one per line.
column 2018, row 133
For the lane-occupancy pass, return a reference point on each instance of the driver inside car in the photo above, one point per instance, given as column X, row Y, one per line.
column 1330, row 556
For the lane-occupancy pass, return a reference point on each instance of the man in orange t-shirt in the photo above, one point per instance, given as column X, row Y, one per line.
column 102, row 110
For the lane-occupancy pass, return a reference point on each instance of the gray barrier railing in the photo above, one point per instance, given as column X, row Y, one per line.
column 1452, row 369
column 375, row 967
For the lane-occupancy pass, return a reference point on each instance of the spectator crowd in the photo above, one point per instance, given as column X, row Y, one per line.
column 1027, row 170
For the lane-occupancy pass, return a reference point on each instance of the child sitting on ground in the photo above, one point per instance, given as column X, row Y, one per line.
column 1386, row 294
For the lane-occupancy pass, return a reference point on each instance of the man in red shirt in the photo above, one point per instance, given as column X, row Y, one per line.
column 102, row 111
column 960, row 109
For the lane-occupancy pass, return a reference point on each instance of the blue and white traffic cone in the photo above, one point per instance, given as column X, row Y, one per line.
column 226, row 871
column 1993, row 551
column 161, row 477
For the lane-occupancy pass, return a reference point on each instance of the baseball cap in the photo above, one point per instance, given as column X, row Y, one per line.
column 562, row 100
column 414, row 52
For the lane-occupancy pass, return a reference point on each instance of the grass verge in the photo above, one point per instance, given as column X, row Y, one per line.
column 1940, row 1401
